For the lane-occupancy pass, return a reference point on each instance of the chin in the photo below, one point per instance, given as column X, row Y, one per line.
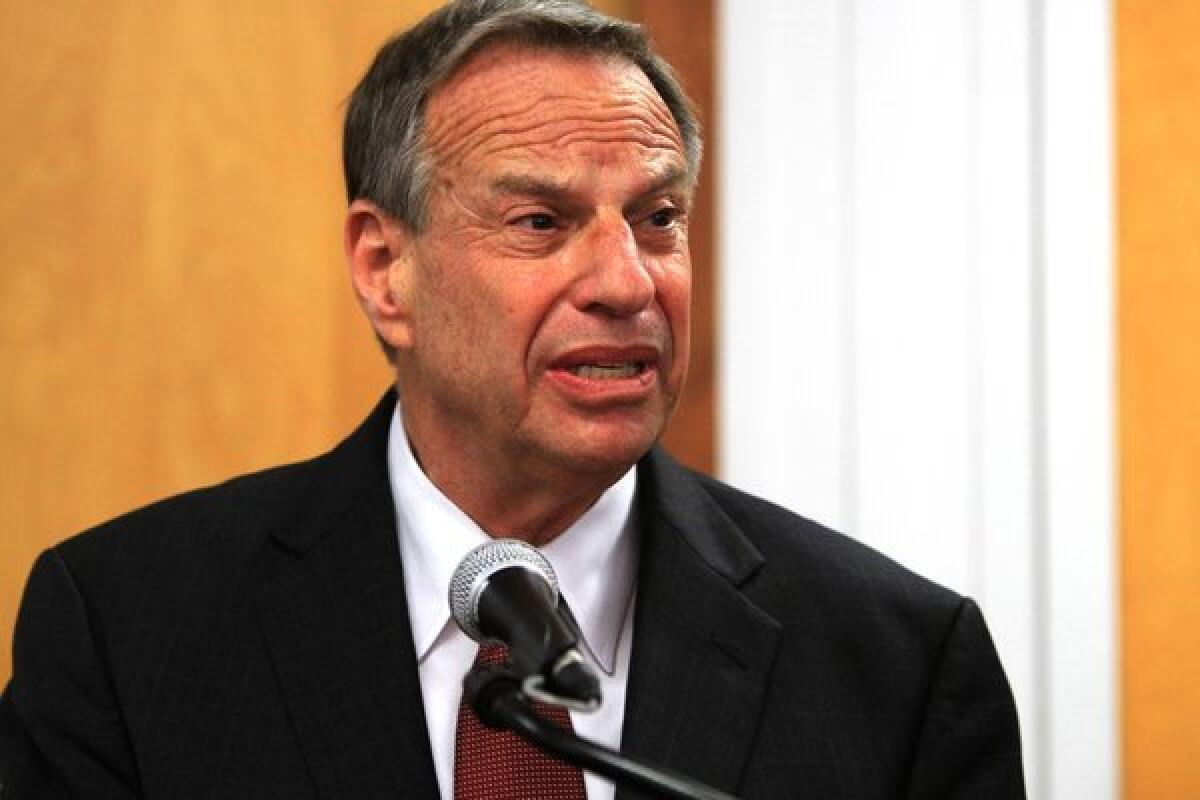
column 611, row 453
column 598, row 444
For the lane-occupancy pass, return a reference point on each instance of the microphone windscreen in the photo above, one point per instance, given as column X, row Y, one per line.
column 473, row 572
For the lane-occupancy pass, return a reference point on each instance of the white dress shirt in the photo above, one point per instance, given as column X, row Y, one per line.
column 596, row 563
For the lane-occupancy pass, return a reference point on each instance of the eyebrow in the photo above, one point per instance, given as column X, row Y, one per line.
column 671, row 177
column 513, row 183
column 674, row 176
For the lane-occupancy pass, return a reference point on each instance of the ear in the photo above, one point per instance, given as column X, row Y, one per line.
column 379, row 253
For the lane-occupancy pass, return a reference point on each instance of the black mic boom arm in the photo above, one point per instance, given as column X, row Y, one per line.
column 496, row 696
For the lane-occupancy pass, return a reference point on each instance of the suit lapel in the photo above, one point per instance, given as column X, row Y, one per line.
column 702, row 651
column 336, row 626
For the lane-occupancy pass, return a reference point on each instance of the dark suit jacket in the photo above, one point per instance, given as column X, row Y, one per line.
column 251, row 640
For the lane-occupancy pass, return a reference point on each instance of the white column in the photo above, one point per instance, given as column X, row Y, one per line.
column 1075, row 293
column 915, row 325
column 782, row 201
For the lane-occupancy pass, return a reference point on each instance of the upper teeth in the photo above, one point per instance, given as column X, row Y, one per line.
column 606, row 370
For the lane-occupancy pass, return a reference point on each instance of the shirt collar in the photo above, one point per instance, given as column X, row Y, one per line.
column 595, row 559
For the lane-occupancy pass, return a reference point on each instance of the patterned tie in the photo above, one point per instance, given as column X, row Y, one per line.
column 499, row 765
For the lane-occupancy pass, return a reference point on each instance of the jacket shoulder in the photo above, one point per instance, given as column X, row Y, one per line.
column 840, row 574
column 252, row 503
column 232, row 520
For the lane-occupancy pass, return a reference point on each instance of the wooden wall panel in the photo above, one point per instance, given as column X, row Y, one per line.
column 173, row 303
column 1158, row 134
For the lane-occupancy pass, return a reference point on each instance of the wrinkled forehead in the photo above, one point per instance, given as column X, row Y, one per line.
column 516, row 96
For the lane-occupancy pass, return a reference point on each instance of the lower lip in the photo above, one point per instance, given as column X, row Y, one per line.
column 605, row 390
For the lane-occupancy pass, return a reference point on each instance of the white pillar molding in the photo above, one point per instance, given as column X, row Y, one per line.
column 1078, row 507
column 915, row 312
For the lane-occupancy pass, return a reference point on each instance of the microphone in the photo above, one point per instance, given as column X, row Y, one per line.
column 505, row 590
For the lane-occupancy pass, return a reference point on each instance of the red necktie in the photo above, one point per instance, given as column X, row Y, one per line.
column 499, row 765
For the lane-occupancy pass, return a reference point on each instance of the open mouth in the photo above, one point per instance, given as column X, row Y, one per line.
column 608, row 372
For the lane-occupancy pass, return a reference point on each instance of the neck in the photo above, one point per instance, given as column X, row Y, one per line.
column 534, row 506
column 536, row 516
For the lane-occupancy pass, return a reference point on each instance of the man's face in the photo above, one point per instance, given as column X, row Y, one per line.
column 549, row 291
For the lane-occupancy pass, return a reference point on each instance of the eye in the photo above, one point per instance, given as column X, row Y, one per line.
column 537, row 222
column 663, row 218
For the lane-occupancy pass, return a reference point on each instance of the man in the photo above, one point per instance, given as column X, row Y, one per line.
column 520, row 173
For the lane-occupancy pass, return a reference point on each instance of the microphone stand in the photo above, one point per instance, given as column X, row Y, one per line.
column 495, row 694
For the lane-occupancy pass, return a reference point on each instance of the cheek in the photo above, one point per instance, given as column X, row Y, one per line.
column 497, row 313
column 529, row 293
column 674, row 285
column 675, row 298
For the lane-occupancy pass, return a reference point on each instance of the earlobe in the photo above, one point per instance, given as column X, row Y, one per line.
column 379, row 255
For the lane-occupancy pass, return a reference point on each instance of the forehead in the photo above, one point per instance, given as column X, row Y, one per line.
column 515, row 100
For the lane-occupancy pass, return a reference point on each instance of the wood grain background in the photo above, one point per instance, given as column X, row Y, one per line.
column 1158, row 228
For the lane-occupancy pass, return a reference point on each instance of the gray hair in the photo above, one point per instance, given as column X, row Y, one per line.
column 383, row 152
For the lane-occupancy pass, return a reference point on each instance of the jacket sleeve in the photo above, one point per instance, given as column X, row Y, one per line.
column 969, row 745
column 62, row 734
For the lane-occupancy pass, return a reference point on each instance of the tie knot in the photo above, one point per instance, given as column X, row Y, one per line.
column 491, row 654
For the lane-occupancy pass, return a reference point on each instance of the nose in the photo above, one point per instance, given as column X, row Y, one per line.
column 614, row 279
